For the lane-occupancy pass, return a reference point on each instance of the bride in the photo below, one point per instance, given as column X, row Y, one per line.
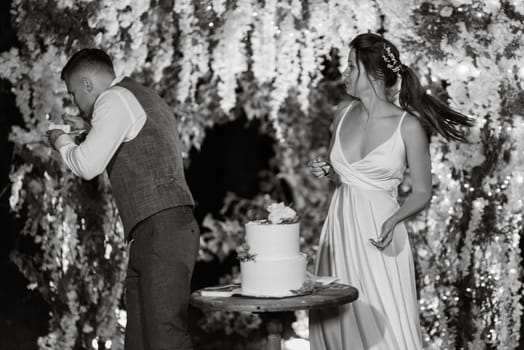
column 364, row 241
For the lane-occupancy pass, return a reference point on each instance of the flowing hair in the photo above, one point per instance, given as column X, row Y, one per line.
column 381, row 59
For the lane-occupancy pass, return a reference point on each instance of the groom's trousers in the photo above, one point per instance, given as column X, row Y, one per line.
column 162, row 255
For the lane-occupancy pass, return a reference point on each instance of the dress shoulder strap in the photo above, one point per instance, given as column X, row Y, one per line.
column 348, row 108
column 343, row 116
column 401, row 119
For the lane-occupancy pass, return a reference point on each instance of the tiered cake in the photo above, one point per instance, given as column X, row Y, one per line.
column 276, row 265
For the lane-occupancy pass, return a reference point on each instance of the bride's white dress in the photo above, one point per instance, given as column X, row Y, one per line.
column 385, row 316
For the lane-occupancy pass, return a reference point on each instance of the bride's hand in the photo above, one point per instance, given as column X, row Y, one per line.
column 386, row 236
column 319, row 168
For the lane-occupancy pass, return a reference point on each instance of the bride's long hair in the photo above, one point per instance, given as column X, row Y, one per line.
column 381, row 59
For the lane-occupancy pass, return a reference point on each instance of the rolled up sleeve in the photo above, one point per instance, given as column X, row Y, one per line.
column 111, row 123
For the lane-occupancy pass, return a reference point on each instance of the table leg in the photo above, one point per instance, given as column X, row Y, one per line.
column 274, row 334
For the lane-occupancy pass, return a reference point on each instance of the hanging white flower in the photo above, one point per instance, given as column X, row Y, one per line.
column 194, row 48
column 309, row 68
column 219, row 6
column 263, row 41
column 319, row 25
column 458, row 3
column 11, row 67
column 229, row 55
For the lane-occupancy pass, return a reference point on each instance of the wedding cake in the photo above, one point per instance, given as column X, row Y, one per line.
column 271, row 263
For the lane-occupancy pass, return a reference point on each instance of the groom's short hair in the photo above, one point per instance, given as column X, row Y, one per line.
column 88, row 58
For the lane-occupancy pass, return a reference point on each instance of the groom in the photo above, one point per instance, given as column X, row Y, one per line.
column 134, row 137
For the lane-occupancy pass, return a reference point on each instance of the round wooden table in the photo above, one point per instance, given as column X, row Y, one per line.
column 334, row 294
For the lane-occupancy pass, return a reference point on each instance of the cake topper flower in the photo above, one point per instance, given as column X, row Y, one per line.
column 279, row 213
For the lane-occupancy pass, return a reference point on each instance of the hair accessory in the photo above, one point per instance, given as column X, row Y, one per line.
column 391, row 62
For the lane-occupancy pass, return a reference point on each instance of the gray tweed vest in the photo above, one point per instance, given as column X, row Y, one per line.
column 147, row 173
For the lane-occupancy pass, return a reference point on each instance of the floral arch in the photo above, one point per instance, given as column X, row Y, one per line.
column 209, row 57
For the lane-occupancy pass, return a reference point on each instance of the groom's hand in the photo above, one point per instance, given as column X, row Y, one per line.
column 53, row 135
column 76, row 122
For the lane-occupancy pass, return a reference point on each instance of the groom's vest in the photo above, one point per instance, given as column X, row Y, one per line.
column 147, row 173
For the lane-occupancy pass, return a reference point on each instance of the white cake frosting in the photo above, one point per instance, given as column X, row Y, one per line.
column 278, row 266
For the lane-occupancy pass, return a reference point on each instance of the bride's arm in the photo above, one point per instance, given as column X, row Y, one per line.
column 418, row 157
column 419, row 161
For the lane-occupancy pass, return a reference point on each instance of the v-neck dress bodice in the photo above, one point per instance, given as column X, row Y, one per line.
column 386, row 316
column 381, row 169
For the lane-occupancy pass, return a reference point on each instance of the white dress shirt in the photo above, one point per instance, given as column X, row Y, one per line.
column 117, row 117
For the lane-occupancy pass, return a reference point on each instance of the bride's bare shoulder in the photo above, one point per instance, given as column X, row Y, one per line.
column 413, row 127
